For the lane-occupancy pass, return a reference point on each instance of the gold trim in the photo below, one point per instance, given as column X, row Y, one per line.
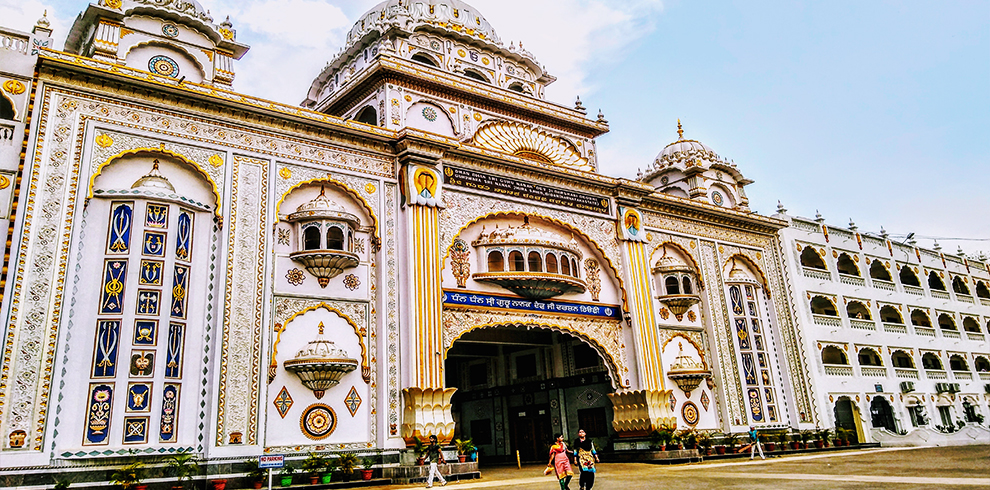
column 280, row 327
column 330, row 180
column 756, row 268
column 691, row 341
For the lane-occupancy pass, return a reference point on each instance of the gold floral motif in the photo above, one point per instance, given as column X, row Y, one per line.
column 4, row 182
column 215, row 160
column 370, row 188
column 477, row 116
column 114, row 4
column 226, row 33
column 104, row 140
column 13, row 87
column 408, row 98
column 285, row 173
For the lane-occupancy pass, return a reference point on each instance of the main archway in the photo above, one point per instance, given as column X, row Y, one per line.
column 517, row 385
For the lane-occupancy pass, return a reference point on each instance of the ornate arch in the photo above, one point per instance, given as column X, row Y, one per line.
column 173, row 47
column 376, row 241
column 161, row 151
column 517, row 214
column 684, row 252
column 359, row 331
column 681, row 335
column 752, row 265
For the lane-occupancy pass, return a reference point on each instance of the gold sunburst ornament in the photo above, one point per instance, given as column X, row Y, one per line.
column 528, row 142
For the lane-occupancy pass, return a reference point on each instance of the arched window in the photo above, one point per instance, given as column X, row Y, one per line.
column 686, row 282
column 672, row 286
column 970, row 325
column 821, row 305
column 981, row 290
column 6, row 109
column 935, row 282
column 424, row 59
column 535, row 262
column 931, row 361
column 879, row 271
column 858, row 311
column 496, row 262
column 810, row 258
column 901, row 359
column 368, row 115
column 335, row 238
column 552, row 263
column 846, row 265
column 945, row 322
column 869, row 357
column 574, row 268
column 516, row 261
column 982, row 364
column 517, row 87
column 565, row 266
column 833, row 355
column 920, row 319
column 311, row 238
column 959, row 286
column 889, row 314
column 476, row 76
column 957, row 363
column 909, row 278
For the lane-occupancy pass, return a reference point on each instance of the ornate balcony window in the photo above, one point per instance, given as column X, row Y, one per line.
column 687, row 372
column 677, row 284
column 326, row 238
column 320, row 365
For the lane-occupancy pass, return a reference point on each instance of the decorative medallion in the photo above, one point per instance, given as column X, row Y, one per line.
column 689, row 412
column 429, row 114
column 135, row 430
column 4, row 182
column 170, row 30
column 530, row 143
column 16, row 439
column 370, row 188
column 227, row 33
column 408, row 98
column 589, row 397
column 664, row 313
column 459, row 262
column 285, row 173
column 705, row 400
column 318, row 421
column 351, row 282
column 113, row 4
column 434, row 44
column 295, row 276
column 664, row 180
column 511, row 70
column 359, row 245
column 13, row 87
column 477, row 116
column 163, row 65
column 142, row 363
column 283, row 236
column 170, row 412
column 461, row 53
column 139, row 397
column 353, row 401
column 717, row 198
column 283, row 402
column 215, row 160
column 591, row 274
column 104, row 140
column 691, row 316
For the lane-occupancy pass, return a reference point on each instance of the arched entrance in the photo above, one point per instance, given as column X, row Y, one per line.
column 847, row 417
column 518, row 385
column 882, row 415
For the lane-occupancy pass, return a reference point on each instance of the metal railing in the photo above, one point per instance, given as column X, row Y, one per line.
column 839, row 370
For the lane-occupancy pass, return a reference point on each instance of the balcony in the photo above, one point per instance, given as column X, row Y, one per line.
column 817, row 274
column 873, row 371
column 936, row 374
column 839, row 370
column 915, row 290
column 924, row 331
column 940, row 294
column 852, row 280
column 951, row 334
column 862, row 324
column 965, row 298
column 985, row 301
column 906, row 373
column 827, row 321
column 984, row 376
column 962, row 375
column 885, row 285
column 894, row 328
column 976, row 336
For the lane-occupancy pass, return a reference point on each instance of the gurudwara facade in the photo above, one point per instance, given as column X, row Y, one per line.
column 425, row 246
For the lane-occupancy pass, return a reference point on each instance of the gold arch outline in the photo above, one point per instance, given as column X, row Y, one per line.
column 759, row 272
column 693, row 263
column 280, row 327
column 613, row 367
column 830, row 300
column 3, row 93
column 182, row 158
column 441, row 110
column 878, row 352
column 376, row 240
column 692, row 342
column 571, row 228
column 155, row 42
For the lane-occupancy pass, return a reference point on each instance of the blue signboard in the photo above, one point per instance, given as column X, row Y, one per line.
column 488, row 301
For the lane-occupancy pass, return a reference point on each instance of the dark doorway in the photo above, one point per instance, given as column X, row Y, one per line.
column 881, row 414
column 531, row 432
column 845, row 417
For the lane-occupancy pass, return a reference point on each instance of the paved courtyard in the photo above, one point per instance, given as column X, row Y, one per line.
column 887, row 468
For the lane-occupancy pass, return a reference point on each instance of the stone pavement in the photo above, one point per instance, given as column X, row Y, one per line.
column 887, row 468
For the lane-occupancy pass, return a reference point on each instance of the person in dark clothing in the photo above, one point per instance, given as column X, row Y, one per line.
column 434, row 454
column 585, row 458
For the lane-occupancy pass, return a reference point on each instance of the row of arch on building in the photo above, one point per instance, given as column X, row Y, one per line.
column 868, row 356
column 535, row 261
column 812, row 259
column 822, row 305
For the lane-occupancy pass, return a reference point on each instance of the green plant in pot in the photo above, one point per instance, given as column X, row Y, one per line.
column 705, row 443
column 347, row 462
column 824, row 435
column 418, row 449
column 464, row 448
column 730, row 441
column 129, row 477
column 314, row 465
column 285, row 476
column 61, row 484
column 366, row 468
column 255, row 474
column 332, row 466
column 183, row 466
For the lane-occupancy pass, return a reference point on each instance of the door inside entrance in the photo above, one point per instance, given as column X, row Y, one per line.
column 845, row 417
column 531, row 432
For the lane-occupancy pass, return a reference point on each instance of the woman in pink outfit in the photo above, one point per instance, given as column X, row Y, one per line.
column 560, row 462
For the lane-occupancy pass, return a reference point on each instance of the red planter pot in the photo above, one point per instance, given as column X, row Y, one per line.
column 819, row 444
column 720, row 449
column 366, row 474
column 771, row 446
column 219, row 484
column 461, row 458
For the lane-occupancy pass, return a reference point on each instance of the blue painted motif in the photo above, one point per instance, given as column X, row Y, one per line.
column 173, row 357
column 749, row 370
column 145, row 332
column 179, row 282
column 151, row 273
column 135, row 430
column 120, row 229
column 547, row 307
column 758, row 341
column 170, row 413
column 148, row 301
column 769, row 393
column 98, row 413
column 154, row 244
column 139, row 397
column 157, row 216
column 772, row 413
column 107, row 342
column 735, row 295
column 114, row 274
column 755, row 405
column 742, row 334
column 183, row 241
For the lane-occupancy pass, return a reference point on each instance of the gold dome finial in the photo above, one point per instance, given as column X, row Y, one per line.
column 680, row 130
column 321, row 328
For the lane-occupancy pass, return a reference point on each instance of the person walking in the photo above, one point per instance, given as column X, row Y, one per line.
column 434, row 454
column 755, row 446
column 560, row 462
column 585, row 458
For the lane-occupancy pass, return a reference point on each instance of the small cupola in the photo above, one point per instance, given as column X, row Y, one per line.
column 325, row 234
column 677, row 284
column 154, row 181
column 687, row 372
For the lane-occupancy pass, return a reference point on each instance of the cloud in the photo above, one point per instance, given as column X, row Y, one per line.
column 296, row 23
column 22, row 16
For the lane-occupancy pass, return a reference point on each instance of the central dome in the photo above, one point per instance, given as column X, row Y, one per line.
column 451, row 15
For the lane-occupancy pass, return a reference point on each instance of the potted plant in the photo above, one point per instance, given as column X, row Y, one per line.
column 255, row 474
column 315, row 465
column 346, row 462
column 824, row 435
column 729, row 441
column 61, row 484
column 419, row 448
column 366, row 468
column 705, row 443
column 183, row 466
column 659, row 439
column 464, row 447
column 327, row 475
column 129, row 477
column 689, row 438
column 285, row 476
column 805, row 436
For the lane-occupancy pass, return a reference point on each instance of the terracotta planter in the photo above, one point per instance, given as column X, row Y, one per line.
column 140, row 487
column 461, row 458
column 258, row 484
column 771, row 446
column 708, row 451
column 794, row 445
column 420, row 461
column 720, row 450
column 366, row 474
column 218, row 484
column 819, row 444
column 314, row 479
column 663, row 447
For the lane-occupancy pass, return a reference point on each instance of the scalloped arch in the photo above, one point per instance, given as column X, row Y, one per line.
column 691, row 260
column 342, row 186
column 280, row 327
column 613, row 368
column 174, row 47
column 697, row 347
column 498, row 214
column 516, row 138
column 752, row 265
column 161, row 151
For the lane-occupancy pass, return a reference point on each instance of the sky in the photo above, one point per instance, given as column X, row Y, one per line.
column 875, row 111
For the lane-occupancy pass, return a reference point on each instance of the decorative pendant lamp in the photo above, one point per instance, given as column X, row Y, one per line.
column 320, row 365
column 687, row 372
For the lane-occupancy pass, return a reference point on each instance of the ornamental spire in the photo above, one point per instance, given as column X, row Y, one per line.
column 680, row 130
